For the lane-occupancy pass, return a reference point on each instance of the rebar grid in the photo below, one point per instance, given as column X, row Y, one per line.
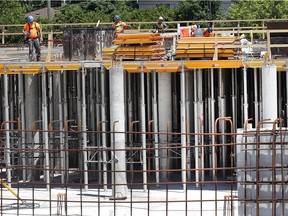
column 216, row 191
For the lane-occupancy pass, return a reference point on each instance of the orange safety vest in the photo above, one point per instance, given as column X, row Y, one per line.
column 32, row 29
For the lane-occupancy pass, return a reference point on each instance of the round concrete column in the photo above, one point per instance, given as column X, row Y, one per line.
column 32, row 115
column 117, row 121
column 269, row 92
column 165, row 116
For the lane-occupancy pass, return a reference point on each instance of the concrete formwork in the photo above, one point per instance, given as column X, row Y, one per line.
column 82, row 98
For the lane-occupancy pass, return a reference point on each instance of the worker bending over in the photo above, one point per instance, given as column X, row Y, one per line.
column 31, row 31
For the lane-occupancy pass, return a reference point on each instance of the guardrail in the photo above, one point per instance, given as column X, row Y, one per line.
column 230, row 26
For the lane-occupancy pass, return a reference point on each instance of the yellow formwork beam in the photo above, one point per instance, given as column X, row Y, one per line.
column 22, row 67
column 213, row 64
column 62, row 66
column 175, row 66
column 281, row 64
column 29, row 68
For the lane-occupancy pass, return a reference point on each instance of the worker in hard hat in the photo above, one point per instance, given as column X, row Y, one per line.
column 32, row 31
column 161, row 26
column 207, row 32
column 119, row 26
column 193, row 30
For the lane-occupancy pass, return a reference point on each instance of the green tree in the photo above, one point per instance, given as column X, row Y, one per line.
column 258, row 9
column 12, row 13
column 197, row 10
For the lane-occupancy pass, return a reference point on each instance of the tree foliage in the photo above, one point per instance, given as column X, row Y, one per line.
column 197, row 10
column 258, row 9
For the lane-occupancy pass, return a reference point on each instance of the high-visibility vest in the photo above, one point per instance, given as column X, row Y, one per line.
column 160, row 27
column 119, row 27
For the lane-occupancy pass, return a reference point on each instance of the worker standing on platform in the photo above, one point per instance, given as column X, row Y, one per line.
column 31, row 31
column 199, row 31
column 207, row 32
column 161, row 26
column 119, row 26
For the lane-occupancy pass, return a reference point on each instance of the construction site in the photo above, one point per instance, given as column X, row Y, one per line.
column 147, row 124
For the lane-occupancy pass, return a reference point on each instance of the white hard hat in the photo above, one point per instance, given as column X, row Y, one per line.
column 160, row 18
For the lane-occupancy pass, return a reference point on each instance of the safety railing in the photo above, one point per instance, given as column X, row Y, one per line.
column 233, row 26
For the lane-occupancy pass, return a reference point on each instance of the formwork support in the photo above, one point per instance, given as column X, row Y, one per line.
column 22, row 117
column 155, row 122
column 212, row 119
column 256, row 102
column 245, row 92
column 196, row 130
column 143, row 128
column 7, row 132
column 222, row 112
column 103, row 128
column 45, row 127
column 183, row 127
column 84, row 128
column 60, row 107
column 117, row 115
column 286, row 91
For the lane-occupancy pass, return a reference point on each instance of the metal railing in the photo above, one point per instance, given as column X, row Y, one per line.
column 237, row 26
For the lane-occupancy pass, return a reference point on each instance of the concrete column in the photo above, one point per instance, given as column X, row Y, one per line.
column 31, row 115
column 117, row 117
column 269, row 92
column 165, row 115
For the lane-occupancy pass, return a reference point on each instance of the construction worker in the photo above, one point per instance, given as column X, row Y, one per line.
column 199, row 32
column 207, row 32
column 161, row 26
column 31, row 32
column 119, row 26
column 193, row 30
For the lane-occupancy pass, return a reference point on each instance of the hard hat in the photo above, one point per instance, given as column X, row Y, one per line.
column 116, row 17
column 30, row 19
column 160, row 18
column 242, row 35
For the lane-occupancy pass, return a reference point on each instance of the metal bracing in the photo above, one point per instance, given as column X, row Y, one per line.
column 155, row 123
column 84, row 127
column 245, row 93
column 104, row 125
column 286, row 91
column 7, row 152
column 183, row 128
column 256, row 102
column 143, row 129
column 45, row 128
